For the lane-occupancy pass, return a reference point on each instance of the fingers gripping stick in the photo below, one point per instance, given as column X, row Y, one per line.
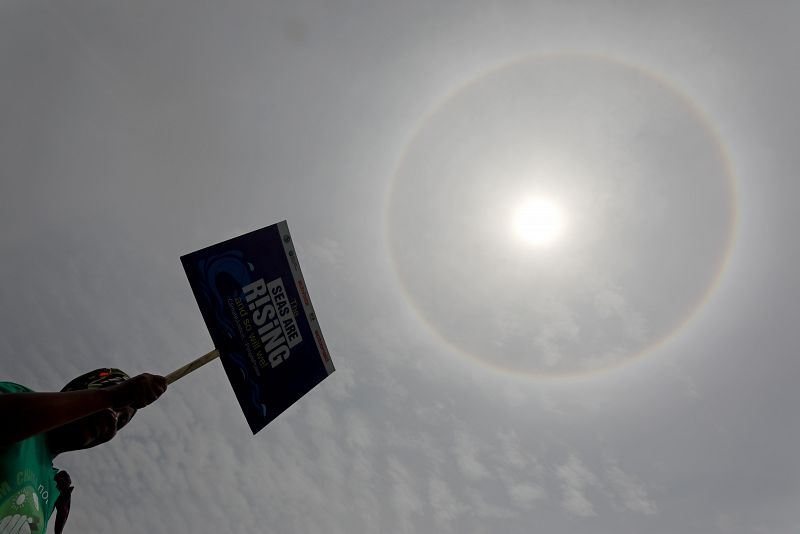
column 189, row 367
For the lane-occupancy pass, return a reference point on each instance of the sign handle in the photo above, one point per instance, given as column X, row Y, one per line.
column 191, row 366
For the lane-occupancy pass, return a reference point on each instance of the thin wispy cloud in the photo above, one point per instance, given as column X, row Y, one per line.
column 575, row 480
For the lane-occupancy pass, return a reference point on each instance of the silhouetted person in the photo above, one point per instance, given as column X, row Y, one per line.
column 37, row 427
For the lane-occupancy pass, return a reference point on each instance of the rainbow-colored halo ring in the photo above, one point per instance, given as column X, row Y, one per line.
column 650, row 212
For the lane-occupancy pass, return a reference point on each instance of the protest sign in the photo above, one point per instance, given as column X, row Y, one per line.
column 256, row 306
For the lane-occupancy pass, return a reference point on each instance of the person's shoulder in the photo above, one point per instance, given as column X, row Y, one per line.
column 11, row 387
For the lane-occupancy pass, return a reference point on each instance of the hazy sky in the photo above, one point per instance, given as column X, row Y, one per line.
column 637, row 375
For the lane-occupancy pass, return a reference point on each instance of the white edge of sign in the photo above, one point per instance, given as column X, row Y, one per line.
column 302, row 289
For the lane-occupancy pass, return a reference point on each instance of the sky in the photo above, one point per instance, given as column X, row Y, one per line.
column 634, row 375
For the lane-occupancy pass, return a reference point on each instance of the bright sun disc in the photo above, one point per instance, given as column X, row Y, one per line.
column 539, row 221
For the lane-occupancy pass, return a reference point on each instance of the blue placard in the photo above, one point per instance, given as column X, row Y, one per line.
column 256, row 306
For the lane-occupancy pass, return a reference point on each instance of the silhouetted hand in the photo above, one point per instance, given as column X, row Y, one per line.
column 138, row 391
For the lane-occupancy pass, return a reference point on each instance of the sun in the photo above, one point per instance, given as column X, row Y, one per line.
column 538, row 221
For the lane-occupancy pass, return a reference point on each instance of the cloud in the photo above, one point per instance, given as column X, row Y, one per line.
column 522, row 474
column 325, row 251
column 446, row 507
column 629, row 491
column 575, row 478
column 483, row 509
column 404, row 494
column 610, row 303
column 524, row 495
column 318, row 416
column 686, row 380
column 341, row 383
column 466, row 453
column 557, row 326
column 510, row 452
column 357, row 431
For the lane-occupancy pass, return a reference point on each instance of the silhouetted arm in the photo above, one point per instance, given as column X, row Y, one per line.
column 27, row 414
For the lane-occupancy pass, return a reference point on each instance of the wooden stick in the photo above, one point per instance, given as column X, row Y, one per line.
column 189, row 367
